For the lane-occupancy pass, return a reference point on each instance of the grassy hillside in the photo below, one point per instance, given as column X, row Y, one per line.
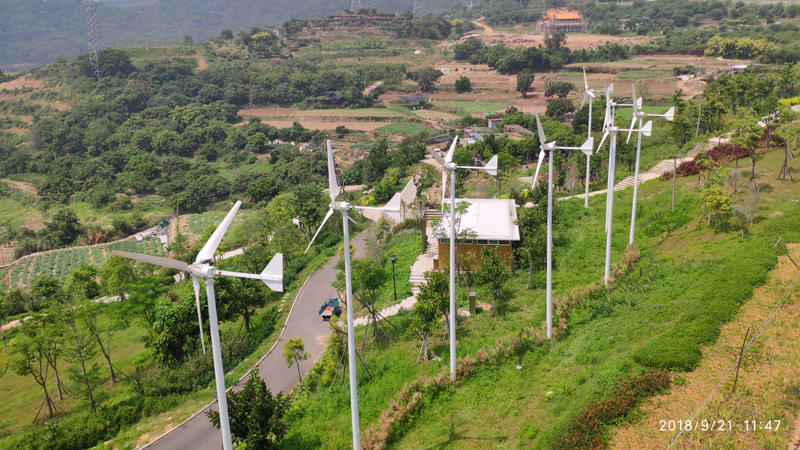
column 688, row 282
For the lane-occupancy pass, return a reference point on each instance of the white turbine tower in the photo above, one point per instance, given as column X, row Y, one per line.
column 550, row 147
column 611, row 132
column 272, row 276
column 638, row 113
column 344, row 207
column 448, row 166
column 589, row 94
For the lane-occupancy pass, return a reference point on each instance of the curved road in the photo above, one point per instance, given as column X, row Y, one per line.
column 197, row 433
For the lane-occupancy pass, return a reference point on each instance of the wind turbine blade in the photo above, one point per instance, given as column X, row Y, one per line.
column 587, row 146
column 207, row 252
column 542, row 138
column 491, row 166
column 591, row 93
column 647, row 130
column 602, row 141
column 670, row 114
column 585, row 83
column 327, row 216
column 444, row 186
column 196, row 285
column 333, row 186
column 274, row 270
column 538, row 166
column 436, row 156
column 449, row 157
column 157, row 260
column 583, row 102
column 633, row 98
column 630, row 128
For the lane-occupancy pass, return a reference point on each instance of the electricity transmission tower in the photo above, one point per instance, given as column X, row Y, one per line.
column 419, row 8
column 3, row 63
column 355, row 5
column 93, row 34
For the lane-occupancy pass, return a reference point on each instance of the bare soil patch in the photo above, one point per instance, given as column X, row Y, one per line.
column 768, row 387
column 21, row 83
column 202, row 64
column 328, row 125
column 22, row 186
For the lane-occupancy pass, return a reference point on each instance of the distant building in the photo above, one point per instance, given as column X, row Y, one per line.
column 493, row 123
column 418, row 98
column 517, row 132
column 488, row 223
column 329, row 98
column 564, row 20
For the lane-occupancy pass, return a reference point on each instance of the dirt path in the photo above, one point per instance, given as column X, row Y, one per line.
column 768, row 387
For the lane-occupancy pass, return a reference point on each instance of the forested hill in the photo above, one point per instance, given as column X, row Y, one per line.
column 42, row 31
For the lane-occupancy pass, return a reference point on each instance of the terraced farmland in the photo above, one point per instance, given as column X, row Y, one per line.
column 62, row 262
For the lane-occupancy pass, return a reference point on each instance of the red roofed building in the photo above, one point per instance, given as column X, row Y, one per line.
column 565, row 20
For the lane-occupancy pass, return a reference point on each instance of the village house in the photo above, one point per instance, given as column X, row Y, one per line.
column 487, row 223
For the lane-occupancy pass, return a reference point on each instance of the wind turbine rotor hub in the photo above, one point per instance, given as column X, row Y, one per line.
column 201, row 270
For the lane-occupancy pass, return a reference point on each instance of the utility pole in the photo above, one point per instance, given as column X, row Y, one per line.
column 93, row 34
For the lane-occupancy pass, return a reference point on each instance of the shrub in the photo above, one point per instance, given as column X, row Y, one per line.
column 587, row 430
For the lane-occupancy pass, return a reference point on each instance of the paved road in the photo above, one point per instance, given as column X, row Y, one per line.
column 198, row 433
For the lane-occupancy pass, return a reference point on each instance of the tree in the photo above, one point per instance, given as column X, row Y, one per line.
column 532, row 224
column 367, row 279
column 256, row 416
column 309, row 208
column 28, row 358
column 505, row 165
column 463, row 85
column 175, row 333
column 558, row 107
column 79, row 346
column 426, row 78
column 65, row 227
column 716, row 199
column 749, row 136
column 432, row 302
column 115, row 275
column 524, row 80
column 558, row 88
column 117, row 320
column 293, row 352
column 493, row 272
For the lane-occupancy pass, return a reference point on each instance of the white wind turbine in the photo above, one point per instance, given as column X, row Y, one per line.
column 550, row 147
column 611, row 132
column 589, row 94
column 393, row 207
column 272, row 276
column 638, row 113
column 448, row 166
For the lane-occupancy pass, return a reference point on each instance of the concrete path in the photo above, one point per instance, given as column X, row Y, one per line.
column 197, row 433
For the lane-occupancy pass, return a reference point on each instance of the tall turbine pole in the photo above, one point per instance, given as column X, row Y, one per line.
column 612, row 155
column 452, row 275
column 219, row 373
column 351, row 341
column 588, row 157
column 549, row 245
column 93, row 34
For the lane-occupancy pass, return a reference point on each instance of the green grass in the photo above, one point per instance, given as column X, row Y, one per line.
column 473, row 107
column 689, row 281
column 405, row 129
column 197, row 223
column 640, row 74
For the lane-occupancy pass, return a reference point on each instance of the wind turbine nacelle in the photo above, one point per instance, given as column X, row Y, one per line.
column 670, row 114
